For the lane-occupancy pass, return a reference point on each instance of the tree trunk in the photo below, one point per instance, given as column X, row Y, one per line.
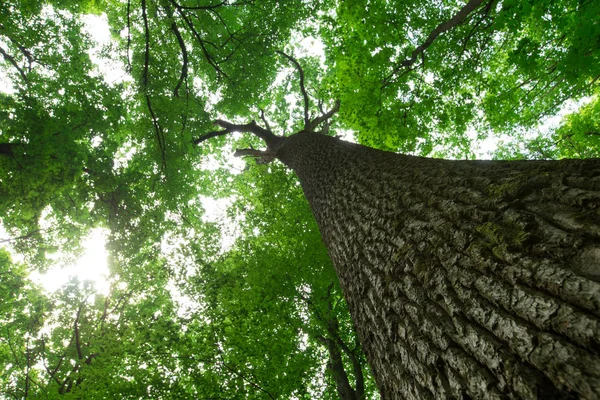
column 465, row 279
column 338, row 373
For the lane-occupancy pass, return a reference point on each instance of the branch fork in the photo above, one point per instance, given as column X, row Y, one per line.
column 273, row 141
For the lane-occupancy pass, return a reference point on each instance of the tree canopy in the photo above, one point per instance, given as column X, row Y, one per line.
column 246, row 306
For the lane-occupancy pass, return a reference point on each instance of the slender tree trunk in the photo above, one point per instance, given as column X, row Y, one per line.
column 336, row 367
column 465, row 279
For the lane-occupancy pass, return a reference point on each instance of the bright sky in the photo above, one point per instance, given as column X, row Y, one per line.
column 91, row 266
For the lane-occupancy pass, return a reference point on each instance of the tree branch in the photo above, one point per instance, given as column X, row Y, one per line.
column 336, row 366
column 250, row 152
column 456, row 20
column 323, row 118
column 302, row 87
column 129, row 68
column 157, row 128
column 262, row 156
column 146, row 45
column 184, row 65
column 264, row 120
column 11, row 60
column 201, row 41
column 223, row 3
column 308, row 124
column 76, row 333
column 269, row 137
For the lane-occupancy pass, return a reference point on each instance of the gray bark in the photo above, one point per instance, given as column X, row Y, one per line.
column 465, row 279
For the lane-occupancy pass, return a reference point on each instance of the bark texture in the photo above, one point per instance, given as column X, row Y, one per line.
column 465, row 279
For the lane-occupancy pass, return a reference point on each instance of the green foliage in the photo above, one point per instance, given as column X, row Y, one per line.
column 576, row 137
column 187, row 315
column 506, row 66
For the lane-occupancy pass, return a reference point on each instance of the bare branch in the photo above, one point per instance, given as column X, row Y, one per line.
column 323, row 118
column 269, row 137
column 250, row 152
column 76, row 332
column 24, row 237
column 146, row 44
column 129, row 67
column 456, row 20
column 210, row 135
column 264, row 120
column 262, row 156
column 157, row 128
column 302, row 87
column 212, row 7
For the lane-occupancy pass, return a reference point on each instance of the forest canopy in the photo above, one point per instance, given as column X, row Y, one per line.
column 102, row 138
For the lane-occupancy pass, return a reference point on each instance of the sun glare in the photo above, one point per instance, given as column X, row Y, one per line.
column 91, row 266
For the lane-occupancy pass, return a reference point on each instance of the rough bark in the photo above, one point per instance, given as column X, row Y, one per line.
column 465, row 279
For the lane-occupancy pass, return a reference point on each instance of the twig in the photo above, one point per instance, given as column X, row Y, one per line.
column 201, row 41
column 184, row 54
column 129, row 68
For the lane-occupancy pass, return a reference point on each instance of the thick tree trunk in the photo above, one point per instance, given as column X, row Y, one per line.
column 464, row 278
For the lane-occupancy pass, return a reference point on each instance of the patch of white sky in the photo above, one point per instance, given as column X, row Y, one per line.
column 484, row 148
column 112, row 70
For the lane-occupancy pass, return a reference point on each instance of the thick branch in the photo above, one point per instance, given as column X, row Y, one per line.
column 269, row 137
column 262, row 156
column 336, row 366
column 76, row 333
column 251, row 153
column 456, row 20
column 356, row 366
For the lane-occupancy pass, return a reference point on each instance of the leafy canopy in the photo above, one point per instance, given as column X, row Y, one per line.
column 259, row 315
